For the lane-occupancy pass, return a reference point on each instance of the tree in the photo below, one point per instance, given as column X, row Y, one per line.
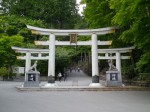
column 63, row 57
column 7, row 56
column 55, row 13
column 133, row 17
column 13, row 32
column 98, row 14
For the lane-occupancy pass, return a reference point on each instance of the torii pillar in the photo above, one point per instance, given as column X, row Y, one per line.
column 95, row 71
column 51, row 62
column 27, row 63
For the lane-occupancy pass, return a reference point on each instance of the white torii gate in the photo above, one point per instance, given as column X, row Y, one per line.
column 52, row 42
column 117, row 51
column 28, row 55
column 55, row 32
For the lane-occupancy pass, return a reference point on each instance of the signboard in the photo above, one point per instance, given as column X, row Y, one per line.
column 18, row 70
column 73, row 38
column 113, row 76
column 31, row 77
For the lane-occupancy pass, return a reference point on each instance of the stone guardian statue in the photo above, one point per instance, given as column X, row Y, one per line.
column 33, row 67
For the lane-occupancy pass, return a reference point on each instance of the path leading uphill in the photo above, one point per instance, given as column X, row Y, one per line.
column 75, row 78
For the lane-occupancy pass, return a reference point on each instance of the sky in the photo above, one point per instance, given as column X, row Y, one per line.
column 80, row 6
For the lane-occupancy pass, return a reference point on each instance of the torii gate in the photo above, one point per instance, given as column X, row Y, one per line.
column 52, row 42
column 117, row 51
column 106, row 54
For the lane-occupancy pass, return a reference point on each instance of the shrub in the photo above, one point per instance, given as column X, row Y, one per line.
column 3, row 71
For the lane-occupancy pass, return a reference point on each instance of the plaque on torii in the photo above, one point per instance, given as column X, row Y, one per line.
column 73, row 38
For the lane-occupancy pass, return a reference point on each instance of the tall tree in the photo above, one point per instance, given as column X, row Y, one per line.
column 56, row 13
column 13, row 32
column 133, row 17
column 97, row 13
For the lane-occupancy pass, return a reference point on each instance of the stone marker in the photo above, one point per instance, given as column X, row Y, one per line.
column 113, row 78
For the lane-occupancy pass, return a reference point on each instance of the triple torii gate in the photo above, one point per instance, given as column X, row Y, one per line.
column 52, row 42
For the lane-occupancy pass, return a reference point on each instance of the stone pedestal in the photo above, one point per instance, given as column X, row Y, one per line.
column 32, row 79
column 113, row 78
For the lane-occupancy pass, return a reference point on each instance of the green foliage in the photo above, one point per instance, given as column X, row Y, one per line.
column 64, row 52
column 143, row 64
column 55, row 13
column 7, row 55
column 144, row 77
column 3, row 71
column 63, row 56
column 98, row 14
column 133, row 18
column 13, row 32
column 81, row 23
column 83, row 2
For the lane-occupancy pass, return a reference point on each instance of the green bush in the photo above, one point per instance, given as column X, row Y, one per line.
column 144, row 76
column 3, row 71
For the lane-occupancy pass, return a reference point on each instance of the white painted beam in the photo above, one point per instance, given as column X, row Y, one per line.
column 65, row 43
column 25, row 50
column 114, row 50
column 33, row 58
column 100, row 31
column 112, row 57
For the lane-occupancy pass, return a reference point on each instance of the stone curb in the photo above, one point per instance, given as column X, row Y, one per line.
column 78, row 88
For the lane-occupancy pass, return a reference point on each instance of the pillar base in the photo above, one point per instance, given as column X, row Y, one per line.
column 51, row 79
column 95, row 85
column 49, row 85
column 95, row 79
column 51, row 82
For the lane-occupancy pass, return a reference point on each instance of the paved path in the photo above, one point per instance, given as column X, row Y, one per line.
column 75, row 78
column 12, row 100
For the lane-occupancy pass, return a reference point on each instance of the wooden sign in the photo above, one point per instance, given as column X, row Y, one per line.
column 73, row 38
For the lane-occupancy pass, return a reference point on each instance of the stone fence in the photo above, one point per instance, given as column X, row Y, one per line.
column 137, row 83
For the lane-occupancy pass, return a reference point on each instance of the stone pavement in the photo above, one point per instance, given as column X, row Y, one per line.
column 12, row 100
column 78, row 81
column 75, row 78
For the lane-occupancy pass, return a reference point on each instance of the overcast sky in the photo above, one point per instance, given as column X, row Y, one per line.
column 80, row 6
